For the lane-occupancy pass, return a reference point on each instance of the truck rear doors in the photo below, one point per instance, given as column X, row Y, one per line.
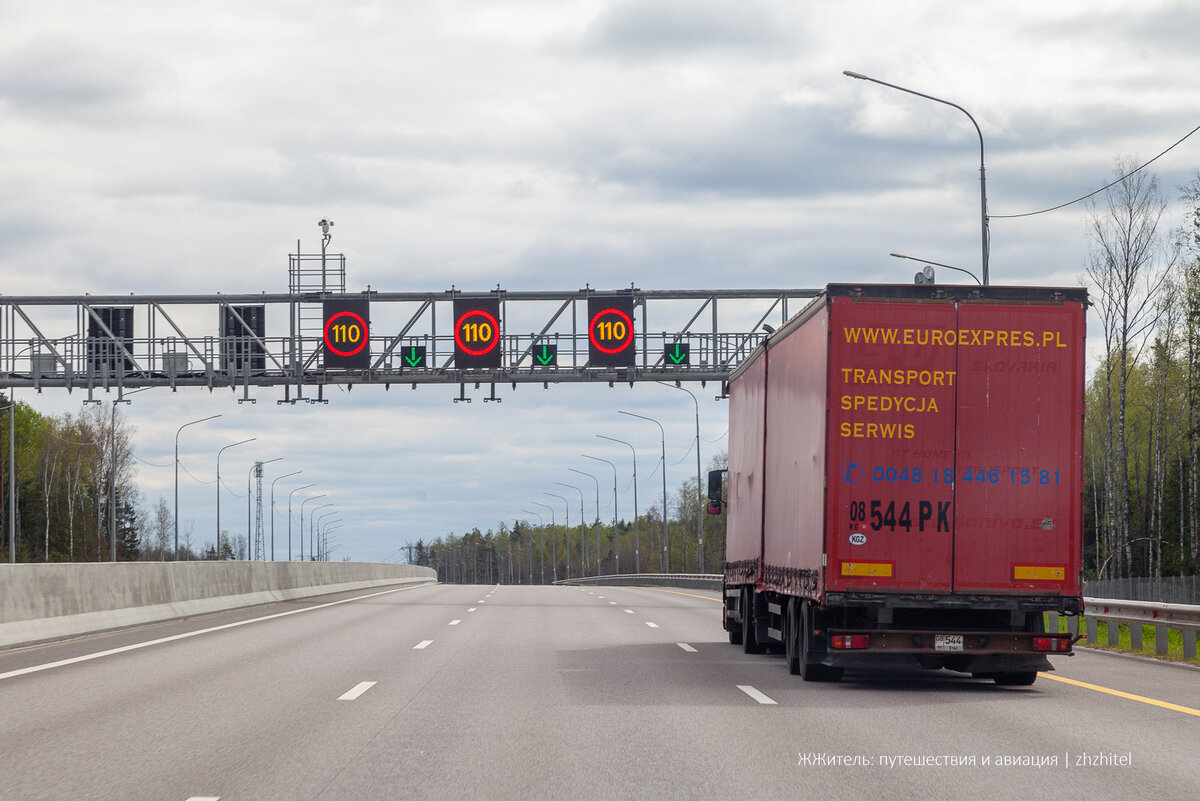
column 955, row 434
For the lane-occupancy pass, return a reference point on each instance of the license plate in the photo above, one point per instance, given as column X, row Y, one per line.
column 947, row 642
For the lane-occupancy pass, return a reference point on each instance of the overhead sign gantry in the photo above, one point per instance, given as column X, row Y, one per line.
column 313, row 336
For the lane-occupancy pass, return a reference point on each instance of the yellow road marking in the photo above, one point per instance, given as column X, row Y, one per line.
column 1187, row 710
column 676, row 592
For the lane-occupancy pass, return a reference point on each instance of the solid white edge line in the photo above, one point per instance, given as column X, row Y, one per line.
column 422, row 645
column 135, row 646
column 686, row 647
column 757, row 695
column 355, row 691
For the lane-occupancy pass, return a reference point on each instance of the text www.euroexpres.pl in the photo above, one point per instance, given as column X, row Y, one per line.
column 970, row 337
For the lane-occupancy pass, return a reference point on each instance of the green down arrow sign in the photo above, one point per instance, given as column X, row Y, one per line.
column 679, row 353
column 547, row 355
column 414, row 356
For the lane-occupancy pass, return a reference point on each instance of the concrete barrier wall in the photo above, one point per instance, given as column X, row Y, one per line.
column 49, row 601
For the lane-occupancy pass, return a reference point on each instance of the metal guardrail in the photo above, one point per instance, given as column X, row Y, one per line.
column 1139, row 614
column 698, row 581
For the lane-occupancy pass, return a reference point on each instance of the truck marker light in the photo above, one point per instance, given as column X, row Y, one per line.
column 1052, row 644
column 872, row 569
column 851, row 641
column 1040, row 572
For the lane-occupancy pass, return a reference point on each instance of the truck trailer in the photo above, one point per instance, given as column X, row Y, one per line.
column 905, row 481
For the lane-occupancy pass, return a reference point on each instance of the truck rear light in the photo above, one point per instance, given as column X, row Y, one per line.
column 1052, row 644
column 846, row 641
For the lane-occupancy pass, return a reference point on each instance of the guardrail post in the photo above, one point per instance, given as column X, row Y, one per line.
column 1114, row 633
column 1052, row 622
column 1138, row 645
column 1073, row 625
column 1160, row 640
column 1093, row 631
column 1189, row 644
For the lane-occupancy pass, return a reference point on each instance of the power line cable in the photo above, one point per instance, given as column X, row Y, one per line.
column 1098, row 191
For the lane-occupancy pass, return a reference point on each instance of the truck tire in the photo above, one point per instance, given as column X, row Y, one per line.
column 811, row 670
column 734, row 629
column 791, row 635
column 1021, row 679
column 750, row 643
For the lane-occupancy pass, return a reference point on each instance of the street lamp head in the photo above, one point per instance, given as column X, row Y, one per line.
column 850, row 74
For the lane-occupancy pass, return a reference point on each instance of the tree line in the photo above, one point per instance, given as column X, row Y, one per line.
column 1142, row 424
column 540, row 553
column 74, row 485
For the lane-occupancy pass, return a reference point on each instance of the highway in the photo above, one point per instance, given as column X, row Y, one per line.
column 512, row 692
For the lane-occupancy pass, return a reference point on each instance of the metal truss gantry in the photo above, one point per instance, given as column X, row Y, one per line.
column 120, row 342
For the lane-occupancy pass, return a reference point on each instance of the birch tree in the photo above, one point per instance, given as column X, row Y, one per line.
column 1127, row 266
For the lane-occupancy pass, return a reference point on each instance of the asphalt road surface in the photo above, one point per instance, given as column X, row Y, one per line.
column 467, row 692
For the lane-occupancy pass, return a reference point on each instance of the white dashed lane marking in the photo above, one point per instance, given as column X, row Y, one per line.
column 686, row 647
column 422, row 645
column 355, row 691
column 757, row 695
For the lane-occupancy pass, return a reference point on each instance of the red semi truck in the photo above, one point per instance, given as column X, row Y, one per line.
column 905, row 481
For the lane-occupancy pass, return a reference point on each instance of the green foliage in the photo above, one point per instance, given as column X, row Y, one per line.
column 64, row 466
column 527, row 553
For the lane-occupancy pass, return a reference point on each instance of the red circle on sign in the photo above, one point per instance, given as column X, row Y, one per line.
column 628, row 327
column 362, row 324
column 493, row 340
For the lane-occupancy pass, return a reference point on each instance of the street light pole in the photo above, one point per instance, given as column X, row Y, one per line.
column 553, row 546
column 290, row 494
column 596, row 524
column 289, row 475
column 616, row 535
column 982, row 174
column 541, row 548
column 582, row 532
column 637, row 560
column 185, row 425
column 306, row 500
column 332, row 525
column 665, row 564
column 314, row 541
column 12, row 482
column 567, row 531
column 227, row 447
column 699, row 496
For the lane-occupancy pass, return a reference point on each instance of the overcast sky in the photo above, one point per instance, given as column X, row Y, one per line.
column 674, row 144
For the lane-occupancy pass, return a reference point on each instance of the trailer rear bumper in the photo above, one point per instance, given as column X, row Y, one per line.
column 1063, row 604
column 948, row 643
column 979, row 666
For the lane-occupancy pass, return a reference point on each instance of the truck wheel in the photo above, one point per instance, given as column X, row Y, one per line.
column 811, row 670
column 734, row 629
column 749, row 626
column 790, row 636
column 1022, row 679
